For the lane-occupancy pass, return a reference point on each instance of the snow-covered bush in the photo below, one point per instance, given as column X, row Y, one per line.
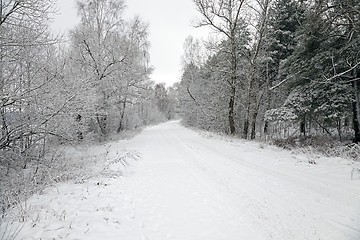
column 56, row 166
column 281, row 114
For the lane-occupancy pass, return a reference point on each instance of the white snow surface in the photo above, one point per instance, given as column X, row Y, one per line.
column 179, row 184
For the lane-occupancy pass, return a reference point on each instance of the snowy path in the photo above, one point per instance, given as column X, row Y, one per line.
column 191, row 186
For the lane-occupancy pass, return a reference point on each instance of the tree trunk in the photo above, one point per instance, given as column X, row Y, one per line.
column 249, row 103
column 253, row 125
column 231, row 111
column 233, row 84
column 356, row 123
column 266, row 127
column 120, row 128
column 247, row 119
column 323, row 128
column 79, row 133
column 255, row 114
column 2, row 109
column 101, row 120
column 303, row 126
column 268, row 99
column 246, row 128
column 338, row 124
column 356, row 111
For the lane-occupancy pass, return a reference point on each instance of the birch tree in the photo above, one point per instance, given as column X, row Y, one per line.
column 110, row 58
column 97, row 50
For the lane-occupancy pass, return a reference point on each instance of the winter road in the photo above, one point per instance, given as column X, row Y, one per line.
column 189, row 185
column 193, row 186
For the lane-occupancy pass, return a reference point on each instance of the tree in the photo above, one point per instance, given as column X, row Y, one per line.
column 132, row 77
column 300, row 56
column 96, row 49
column 110, row 65
column 345, row 18
column 28, row 68
column 225, row 18
column 253, row 101
column 321, row 65
column 284, row 19
column 161, row 98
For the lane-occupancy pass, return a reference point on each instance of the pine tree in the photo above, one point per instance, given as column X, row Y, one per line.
column 317, row 66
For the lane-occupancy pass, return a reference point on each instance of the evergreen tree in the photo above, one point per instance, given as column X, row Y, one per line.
column 319, row 66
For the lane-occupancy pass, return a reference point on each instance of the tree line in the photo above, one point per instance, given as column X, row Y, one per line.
column 274, row 68
column 55, row 90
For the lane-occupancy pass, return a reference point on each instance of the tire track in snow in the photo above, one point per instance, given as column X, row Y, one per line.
column 301, row 215
column 251, row 204
column 324, row 194
column 177, row 197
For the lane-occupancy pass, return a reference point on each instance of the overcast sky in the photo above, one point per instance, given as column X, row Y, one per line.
column 169, row 25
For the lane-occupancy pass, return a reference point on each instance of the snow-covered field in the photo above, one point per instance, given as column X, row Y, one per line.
column 170, row 182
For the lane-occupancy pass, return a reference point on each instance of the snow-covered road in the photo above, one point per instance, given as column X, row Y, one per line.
column 195, row 186
column 192, row 187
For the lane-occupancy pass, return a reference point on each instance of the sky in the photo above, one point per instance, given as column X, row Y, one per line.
column 169, row 25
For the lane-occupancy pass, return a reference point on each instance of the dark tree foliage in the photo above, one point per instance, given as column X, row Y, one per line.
column 325, row 60
column 304, row 75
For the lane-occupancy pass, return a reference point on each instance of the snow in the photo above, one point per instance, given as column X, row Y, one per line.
column 170, row 182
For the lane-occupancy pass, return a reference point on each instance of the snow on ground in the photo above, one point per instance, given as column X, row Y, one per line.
column 175, row 183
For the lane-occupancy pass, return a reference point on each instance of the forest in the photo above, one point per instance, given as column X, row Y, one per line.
column 58, row 91
column 285, row 71
column 281, row 69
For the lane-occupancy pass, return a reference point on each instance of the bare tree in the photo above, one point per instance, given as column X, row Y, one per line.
column 261, row 10
column 24, row 67
column 109, row 56
column 224, row 16
column 28, row 73
column 95, row 50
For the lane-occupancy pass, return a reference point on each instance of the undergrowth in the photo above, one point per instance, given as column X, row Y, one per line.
column 60, row 164
column 324, row 146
